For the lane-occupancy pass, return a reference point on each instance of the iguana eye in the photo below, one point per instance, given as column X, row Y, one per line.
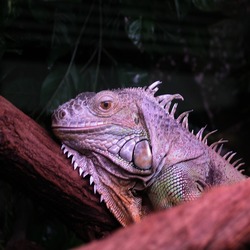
column 106, row 105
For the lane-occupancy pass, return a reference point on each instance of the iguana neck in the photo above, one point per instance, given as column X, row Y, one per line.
column 124, row 205
column 170, row 142
column 107, row 179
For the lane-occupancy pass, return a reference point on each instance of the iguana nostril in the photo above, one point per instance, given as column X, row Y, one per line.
column 61, row 114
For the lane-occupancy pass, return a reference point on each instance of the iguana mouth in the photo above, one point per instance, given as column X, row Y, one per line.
column 88, row 126
column 81, row 129
column 83, row 126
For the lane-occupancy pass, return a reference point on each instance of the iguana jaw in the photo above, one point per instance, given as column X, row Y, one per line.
column 129, row 148
column 108, row 184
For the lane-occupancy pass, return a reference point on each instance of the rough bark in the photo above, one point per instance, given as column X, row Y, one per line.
column 32, row 160
column 218, row 220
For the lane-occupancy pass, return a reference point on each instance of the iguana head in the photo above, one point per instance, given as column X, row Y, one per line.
column 107, row 123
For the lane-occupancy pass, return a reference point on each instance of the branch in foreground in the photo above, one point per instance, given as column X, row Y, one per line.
column 218, row 220
column 32, row 160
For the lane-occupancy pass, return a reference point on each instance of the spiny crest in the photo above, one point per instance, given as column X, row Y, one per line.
column 218, row 146
column 165, row 102
column 80, row 163
column 153, row 88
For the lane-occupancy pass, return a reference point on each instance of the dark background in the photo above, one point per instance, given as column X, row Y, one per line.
column 52, row 50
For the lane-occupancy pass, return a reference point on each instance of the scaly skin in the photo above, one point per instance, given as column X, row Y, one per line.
column 128, row 140
column 104, row 134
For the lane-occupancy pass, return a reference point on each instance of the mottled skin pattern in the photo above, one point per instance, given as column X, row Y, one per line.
column 130, row 144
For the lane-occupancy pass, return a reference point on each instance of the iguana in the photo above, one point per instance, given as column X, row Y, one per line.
column 130, row 144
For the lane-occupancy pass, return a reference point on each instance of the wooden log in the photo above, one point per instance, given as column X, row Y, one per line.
column 32, row 160
column 218, row 220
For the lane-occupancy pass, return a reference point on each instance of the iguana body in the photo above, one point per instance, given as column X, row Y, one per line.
column 128, row 140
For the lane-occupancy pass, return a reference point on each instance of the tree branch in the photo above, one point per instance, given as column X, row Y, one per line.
column 218, row 220
column 32, row 160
